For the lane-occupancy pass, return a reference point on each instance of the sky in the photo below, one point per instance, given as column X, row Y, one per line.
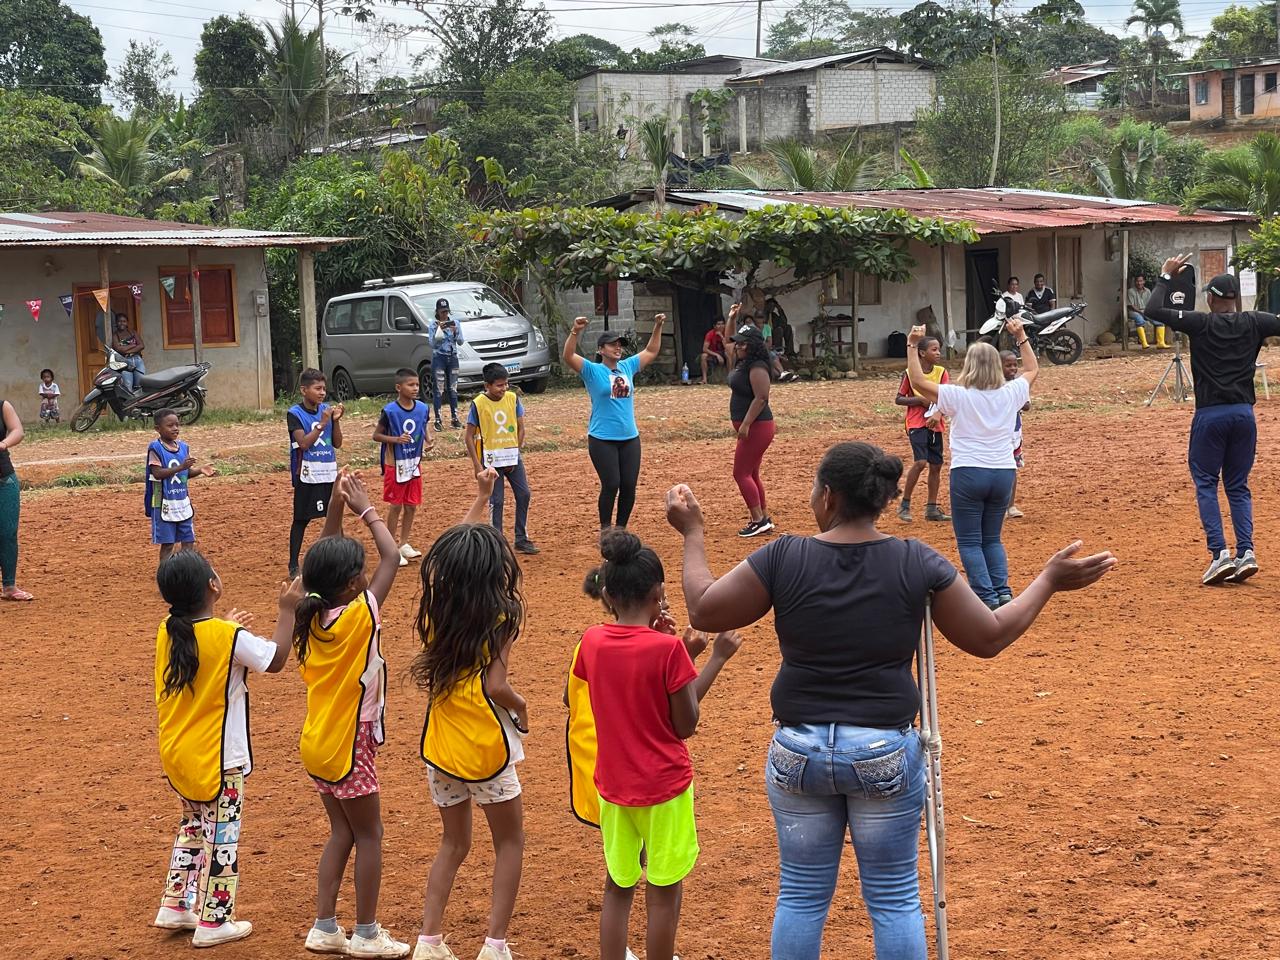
column 722, row 26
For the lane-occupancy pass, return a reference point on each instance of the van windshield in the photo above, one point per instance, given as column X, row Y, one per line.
column 476, row 303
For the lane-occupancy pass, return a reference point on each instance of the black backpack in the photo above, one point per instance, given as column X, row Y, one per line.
column 898, row 345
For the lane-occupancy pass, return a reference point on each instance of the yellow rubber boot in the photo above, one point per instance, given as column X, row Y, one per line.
column 1160, row 342
column 1142, row 337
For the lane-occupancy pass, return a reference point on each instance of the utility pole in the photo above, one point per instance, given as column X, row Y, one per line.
column 995, row 64
column 760, row 22
column 324, row 72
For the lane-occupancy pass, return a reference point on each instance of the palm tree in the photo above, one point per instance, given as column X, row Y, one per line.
column 657, row 142
column 122, row 155
column 797, row 166
column 297, row 82
column 1125, row 175
column 1151, row 15
column 1246, row 178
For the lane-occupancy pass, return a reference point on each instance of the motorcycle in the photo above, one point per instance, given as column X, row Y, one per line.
column 1045, row 330
column 181, row 389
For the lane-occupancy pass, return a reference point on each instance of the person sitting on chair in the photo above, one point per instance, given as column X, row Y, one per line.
column 129, row 345
column 1136, row 300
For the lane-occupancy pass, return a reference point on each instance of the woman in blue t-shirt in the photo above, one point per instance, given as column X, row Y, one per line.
column 612, row 437
column 845, row 759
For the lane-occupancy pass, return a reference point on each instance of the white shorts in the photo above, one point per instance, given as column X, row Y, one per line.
column 447, row 791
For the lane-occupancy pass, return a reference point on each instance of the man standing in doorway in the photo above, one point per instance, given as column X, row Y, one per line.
column 1224, row 433
column 1041, row 298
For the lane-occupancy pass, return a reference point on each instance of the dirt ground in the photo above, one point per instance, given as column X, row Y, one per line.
column 1110, row 780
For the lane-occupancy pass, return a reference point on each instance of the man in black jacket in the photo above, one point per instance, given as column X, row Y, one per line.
column 1224, row 434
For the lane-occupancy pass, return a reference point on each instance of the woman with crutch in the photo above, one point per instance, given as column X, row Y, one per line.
column 845, row 760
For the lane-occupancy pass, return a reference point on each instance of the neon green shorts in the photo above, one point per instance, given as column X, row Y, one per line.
column 666, row 832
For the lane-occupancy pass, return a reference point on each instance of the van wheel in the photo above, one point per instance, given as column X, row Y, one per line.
column 344, row 388
column 535, row 386
column 426, row 385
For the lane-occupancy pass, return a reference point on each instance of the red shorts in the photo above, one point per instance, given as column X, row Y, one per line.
column 408, row 494
column 363, row 778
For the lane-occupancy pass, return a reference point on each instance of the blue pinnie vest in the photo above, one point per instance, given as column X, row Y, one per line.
column 319, row 462
column 170, row 496
column 400, row 421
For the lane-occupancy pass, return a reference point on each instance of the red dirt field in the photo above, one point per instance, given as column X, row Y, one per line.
column 1110, row 780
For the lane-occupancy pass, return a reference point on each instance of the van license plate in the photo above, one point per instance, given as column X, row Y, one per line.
column 512, row 367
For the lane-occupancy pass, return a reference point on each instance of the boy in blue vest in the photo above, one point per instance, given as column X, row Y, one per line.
column 167, row 502
column 315, row 434
column 403, row 436
column 493, row 438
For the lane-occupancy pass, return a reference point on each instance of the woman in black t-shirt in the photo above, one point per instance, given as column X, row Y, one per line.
column 10, row 436
column 845, row 760
column 752, row 420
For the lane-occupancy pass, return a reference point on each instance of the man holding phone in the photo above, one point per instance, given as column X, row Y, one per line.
column 446, row 337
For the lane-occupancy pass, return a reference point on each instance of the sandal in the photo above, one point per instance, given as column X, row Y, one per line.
column 17, row 594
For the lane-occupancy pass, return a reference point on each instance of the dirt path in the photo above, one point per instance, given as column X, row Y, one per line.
column 1109, row 785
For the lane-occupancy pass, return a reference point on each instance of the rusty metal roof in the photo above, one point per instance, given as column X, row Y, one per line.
column 991, row 210
column 108, row 229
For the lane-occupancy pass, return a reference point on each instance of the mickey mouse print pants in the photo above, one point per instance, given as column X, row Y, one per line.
column 203, row 868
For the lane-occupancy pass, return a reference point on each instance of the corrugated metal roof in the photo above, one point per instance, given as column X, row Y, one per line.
column 816, row 63
column 107, row 229
column 991, row 210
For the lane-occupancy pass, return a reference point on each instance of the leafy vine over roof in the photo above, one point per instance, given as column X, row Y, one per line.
column 576, row 247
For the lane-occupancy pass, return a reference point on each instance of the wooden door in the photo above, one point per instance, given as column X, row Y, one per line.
column 1213, row 262
column 1246, row 95
column 91, row 353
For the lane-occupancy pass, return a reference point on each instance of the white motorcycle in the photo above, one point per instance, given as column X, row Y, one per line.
column 1045, row 330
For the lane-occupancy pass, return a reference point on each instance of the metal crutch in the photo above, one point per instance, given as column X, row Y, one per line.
column 935, row 824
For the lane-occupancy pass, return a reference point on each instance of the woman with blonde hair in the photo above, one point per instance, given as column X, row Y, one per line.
column 983, row 408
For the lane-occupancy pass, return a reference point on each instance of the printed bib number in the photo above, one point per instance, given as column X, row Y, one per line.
column 323, row 472
column 406, row 470
column 175, row 511
column 502, row 458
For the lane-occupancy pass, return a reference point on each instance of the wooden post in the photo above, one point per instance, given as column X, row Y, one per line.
column 104, row 283
column 307, row 308
column 948, row 332
column 575, row 119
column 742, row 123
column 1124, row 290
column 897, row 148
column 193, row 280
column 854, row 297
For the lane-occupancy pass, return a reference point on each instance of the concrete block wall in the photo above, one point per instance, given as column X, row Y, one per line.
column 861, row 96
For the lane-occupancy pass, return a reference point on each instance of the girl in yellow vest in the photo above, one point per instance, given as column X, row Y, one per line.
column 336, row 638
column 476, row 722
column 202, row 699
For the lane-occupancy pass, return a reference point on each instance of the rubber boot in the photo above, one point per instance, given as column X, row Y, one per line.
column 1142, row 337
column 1160, row 341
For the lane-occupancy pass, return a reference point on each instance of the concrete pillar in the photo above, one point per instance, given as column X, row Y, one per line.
column 575, row 120
column 307, row 308
column 948, row 329
column 193, row 281
column 742, row 124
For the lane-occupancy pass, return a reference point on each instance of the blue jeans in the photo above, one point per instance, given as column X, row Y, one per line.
column 520, row 487
column 1224, row 440
column 444, row 371
column 133, row 369
column 826, row 781
column 979, row 499
column 1140, row 320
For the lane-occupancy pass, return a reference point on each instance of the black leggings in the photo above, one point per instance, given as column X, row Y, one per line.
column 617, row 463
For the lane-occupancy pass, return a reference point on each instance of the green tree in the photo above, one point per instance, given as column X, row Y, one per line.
column 47, row 47
column 946, row 34
column 1242, row 178
column 297, row 82
column 959, row 134
column 812, row 28
column 142, row 82
column 571, row 57
column 872, row 27
column 1055, row 33
column 656, row 144
column 796, row 166
column 1126, row 175
column 1151, row 16
column 229, row 68
column 122, row 156
column 675, row 43
column 1262, row 253
column 1240, row 31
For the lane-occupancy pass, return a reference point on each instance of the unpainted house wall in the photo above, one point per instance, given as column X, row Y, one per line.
column 241, row 374
column 867, row 94
column 623, row 98
column 1212, row 109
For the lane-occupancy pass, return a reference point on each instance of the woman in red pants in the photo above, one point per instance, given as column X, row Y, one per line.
column 752, row 421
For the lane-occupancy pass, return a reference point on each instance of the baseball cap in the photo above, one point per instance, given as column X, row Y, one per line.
column 1224, row 285
column 608, row 337
column 748, row 331
column 442, row 304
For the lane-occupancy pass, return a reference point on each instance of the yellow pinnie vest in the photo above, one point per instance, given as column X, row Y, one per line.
column 192, row 721
column 462, row 735
column 341, row 662
column 580, row 747
column 499, row 428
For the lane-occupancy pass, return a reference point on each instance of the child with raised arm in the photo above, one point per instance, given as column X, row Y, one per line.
column 202, row 703
column 493, row 438
column 644, row 695
column 403, row 436
column 315, row 435
column 170, row 467
column 924, row 430
column 337, row 640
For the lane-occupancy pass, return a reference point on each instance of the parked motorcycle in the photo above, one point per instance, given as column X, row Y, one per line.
column 1045, row 330
column 181, row 389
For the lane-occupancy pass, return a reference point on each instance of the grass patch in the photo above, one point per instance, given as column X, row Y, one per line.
column 82, row 478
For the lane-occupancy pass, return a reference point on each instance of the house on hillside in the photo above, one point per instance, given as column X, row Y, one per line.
column 1234, row 92
column 57, row 266
column 1082, row 82
column 1081, row 244
column 772, row 99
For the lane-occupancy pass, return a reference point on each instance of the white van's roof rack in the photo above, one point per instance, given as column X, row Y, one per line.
column 397, row 281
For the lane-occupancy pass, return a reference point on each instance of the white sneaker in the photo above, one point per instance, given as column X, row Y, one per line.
column 426, row 952
column 630, row 955
column 170, row 919
column 1246, row 567
column 489, row 953
column 404, row 562
column 379, row 945
column 1014, row 512
column 1223, row 566
column 320, row 942
column 228, row 932
column 409, row 553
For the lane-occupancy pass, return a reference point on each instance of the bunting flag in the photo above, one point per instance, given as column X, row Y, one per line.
column 67, row 300
column 170, row 286
column 136, row 290
column 1, row 311
column 103, row 296
column 34, row 307
column 196, row 275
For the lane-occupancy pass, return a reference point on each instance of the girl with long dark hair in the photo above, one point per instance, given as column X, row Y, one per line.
column 202, row 702
column 752, row 420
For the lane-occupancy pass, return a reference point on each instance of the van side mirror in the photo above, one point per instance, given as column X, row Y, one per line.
column 407, row 324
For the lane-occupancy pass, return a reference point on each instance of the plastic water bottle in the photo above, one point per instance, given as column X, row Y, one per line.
column 684, row 374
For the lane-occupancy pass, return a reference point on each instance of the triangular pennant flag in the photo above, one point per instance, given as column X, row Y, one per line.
column 67, row 300
column 34, row 307
column 136, row 290
column 103, row 296
column 170, row 286
column 196, row 275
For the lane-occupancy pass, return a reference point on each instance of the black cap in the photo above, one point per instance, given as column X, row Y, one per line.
column 748, row 331
column 608, row 337
column 1224, row 285
column 442, row 304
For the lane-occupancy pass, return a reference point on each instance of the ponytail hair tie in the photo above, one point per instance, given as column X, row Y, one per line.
column 316, row 595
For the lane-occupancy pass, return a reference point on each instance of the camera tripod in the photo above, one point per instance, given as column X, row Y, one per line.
column 1181, row 378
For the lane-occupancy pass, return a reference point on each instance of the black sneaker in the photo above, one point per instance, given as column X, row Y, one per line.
column 527, row 546
column 766, row 525
column 456, row 424
column 753, row 528
column 439, row 425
